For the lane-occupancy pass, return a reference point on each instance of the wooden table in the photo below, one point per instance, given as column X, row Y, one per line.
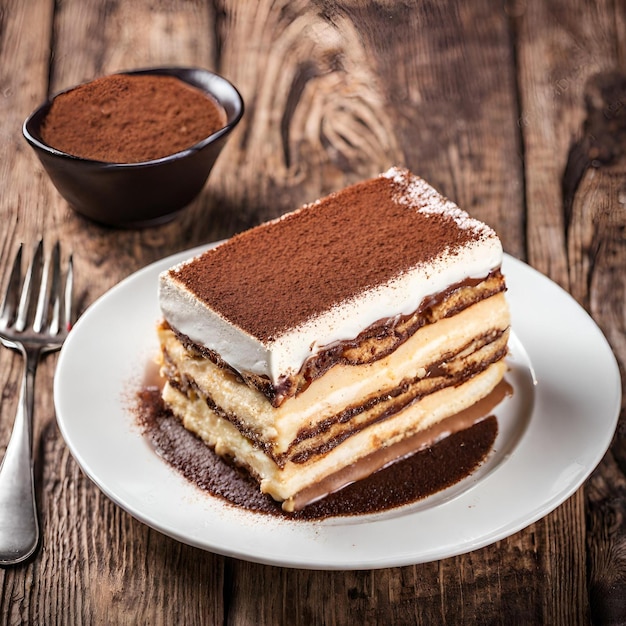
column 515, row 110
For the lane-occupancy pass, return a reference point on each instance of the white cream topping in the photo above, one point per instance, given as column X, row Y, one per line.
column 285, row 354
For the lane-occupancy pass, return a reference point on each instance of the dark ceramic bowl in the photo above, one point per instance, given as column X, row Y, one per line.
column 134, row 195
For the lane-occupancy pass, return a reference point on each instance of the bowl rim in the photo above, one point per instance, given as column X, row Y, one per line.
column 173, row 70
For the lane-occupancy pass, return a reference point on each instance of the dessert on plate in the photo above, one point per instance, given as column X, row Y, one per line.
column 316, row 348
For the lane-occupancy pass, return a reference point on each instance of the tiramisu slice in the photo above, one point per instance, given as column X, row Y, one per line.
column 316, row 348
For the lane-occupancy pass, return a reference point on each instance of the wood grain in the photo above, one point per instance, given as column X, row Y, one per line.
column 575, row 205
column 489, row 101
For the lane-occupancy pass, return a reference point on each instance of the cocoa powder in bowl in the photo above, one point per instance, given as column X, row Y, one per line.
column 130, row 118
column 125, row 192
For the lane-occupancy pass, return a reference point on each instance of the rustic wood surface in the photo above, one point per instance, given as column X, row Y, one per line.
column 516, row 110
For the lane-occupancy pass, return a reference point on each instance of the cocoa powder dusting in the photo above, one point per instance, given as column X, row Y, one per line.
column 130, row 118
column 406, row 481
column 328, row 252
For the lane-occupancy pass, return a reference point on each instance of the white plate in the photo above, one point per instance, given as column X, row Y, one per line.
column 553, row 431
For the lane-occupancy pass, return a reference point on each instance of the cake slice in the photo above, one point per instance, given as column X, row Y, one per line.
column 316, row 348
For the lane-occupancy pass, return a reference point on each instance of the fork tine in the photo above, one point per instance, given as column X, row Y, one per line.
column 25, row 299
column 48, row 290
column 11, row 295
column 55, row 289
column 69, row 288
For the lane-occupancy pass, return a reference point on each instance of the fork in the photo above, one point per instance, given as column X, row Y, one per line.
column 35, row 319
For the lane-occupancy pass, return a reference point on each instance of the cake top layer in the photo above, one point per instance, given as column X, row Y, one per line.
column 279, row 275
column 326, row 271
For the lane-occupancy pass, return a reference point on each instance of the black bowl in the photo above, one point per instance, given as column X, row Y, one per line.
column 134, row 195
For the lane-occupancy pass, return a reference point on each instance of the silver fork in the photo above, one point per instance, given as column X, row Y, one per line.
column 35, row 318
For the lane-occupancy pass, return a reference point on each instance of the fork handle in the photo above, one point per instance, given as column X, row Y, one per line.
column 19, row 526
